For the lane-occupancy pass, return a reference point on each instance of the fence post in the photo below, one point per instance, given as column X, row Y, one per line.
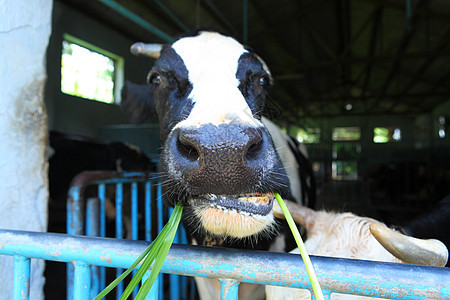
column 21, row 278
column 229, row 289
column 82, row 281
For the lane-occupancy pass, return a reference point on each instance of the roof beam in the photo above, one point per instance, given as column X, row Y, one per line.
column 408, row 33
column 274, row 28
column 378, row 15
column 366, row 59
column 437, row 84
column 443, row 42
column 400, row 5
column 172, row 16
column 137, row 19
column 357, row 35
column 218, row 15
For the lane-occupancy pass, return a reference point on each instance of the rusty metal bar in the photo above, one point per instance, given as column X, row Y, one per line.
column 367, row 278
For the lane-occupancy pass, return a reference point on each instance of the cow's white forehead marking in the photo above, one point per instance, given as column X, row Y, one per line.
column 212, row 62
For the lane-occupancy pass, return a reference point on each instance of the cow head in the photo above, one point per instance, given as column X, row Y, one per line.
column 218, row 159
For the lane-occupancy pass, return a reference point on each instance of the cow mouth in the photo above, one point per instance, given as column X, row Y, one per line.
column 247, row 204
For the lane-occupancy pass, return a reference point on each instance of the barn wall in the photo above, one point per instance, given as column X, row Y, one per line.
column 24, row 34
column 73, row 114
column 402, row 178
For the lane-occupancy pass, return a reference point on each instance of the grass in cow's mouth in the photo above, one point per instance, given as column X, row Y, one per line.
column 298, row 239
column 155, row 253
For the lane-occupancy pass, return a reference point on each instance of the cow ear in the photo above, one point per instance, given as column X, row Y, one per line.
column 137, row 102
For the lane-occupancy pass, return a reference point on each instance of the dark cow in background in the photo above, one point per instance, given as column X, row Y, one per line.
column 73, row 154
column 434, row 224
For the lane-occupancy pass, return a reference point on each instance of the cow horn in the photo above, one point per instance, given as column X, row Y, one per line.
column 408, row 249
column 143, row 49
column 301, row 214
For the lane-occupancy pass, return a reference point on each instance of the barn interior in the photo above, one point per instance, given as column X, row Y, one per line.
column 363, row 84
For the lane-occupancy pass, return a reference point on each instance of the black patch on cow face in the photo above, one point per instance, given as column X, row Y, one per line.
column 171, row 88
column 254, row 82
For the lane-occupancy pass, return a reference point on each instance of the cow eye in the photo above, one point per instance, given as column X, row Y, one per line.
column 263, row 81
column 155, row 80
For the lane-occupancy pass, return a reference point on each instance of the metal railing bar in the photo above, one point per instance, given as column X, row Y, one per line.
column 134, row 211
column 110, row 177
column 160, row 210
column 92, row 229
column 119, row 230
column 148, row 211
column 175, row 279
column 102, row 197
column 282, row 269
column 229, row 289
column 21, row 288
column 153, row 294
column 134, row 222
column 81, row 281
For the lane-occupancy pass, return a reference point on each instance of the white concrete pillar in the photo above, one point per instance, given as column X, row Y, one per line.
column 25, row 28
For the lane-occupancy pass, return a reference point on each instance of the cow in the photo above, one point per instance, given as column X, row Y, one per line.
column 218, row 157
column 347, row 235
column 221, row 159
column 434, row 223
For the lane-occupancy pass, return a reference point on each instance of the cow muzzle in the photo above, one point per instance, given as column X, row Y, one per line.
column 225, row 168
column 236, row 216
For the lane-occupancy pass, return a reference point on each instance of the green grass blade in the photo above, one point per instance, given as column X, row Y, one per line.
column 156, row 251
column 156, row 267
column 113, row 284
column 141, row 271
column 298, row 239
column 165, row 246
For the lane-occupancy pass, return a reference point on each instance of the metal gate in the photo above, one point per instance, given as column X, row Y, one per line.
column 134, row 199
column 88, row 256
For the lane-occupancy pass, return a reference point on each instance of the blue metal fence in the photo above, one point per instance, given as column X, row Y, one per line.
column 134, row 195
column 89, row 257
column 388, row 280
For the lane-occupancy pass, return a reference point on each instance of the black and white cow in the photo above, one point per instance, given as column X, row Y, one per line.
column 218, row 157
column 221, row 159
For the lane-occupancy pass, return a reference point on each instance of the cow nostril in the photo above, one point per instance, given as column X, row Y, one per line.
column 187, row 149
column 254, row 150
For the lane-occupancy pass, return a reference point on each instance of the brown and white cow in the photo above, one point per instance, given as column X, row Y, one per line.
column 347, row 235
